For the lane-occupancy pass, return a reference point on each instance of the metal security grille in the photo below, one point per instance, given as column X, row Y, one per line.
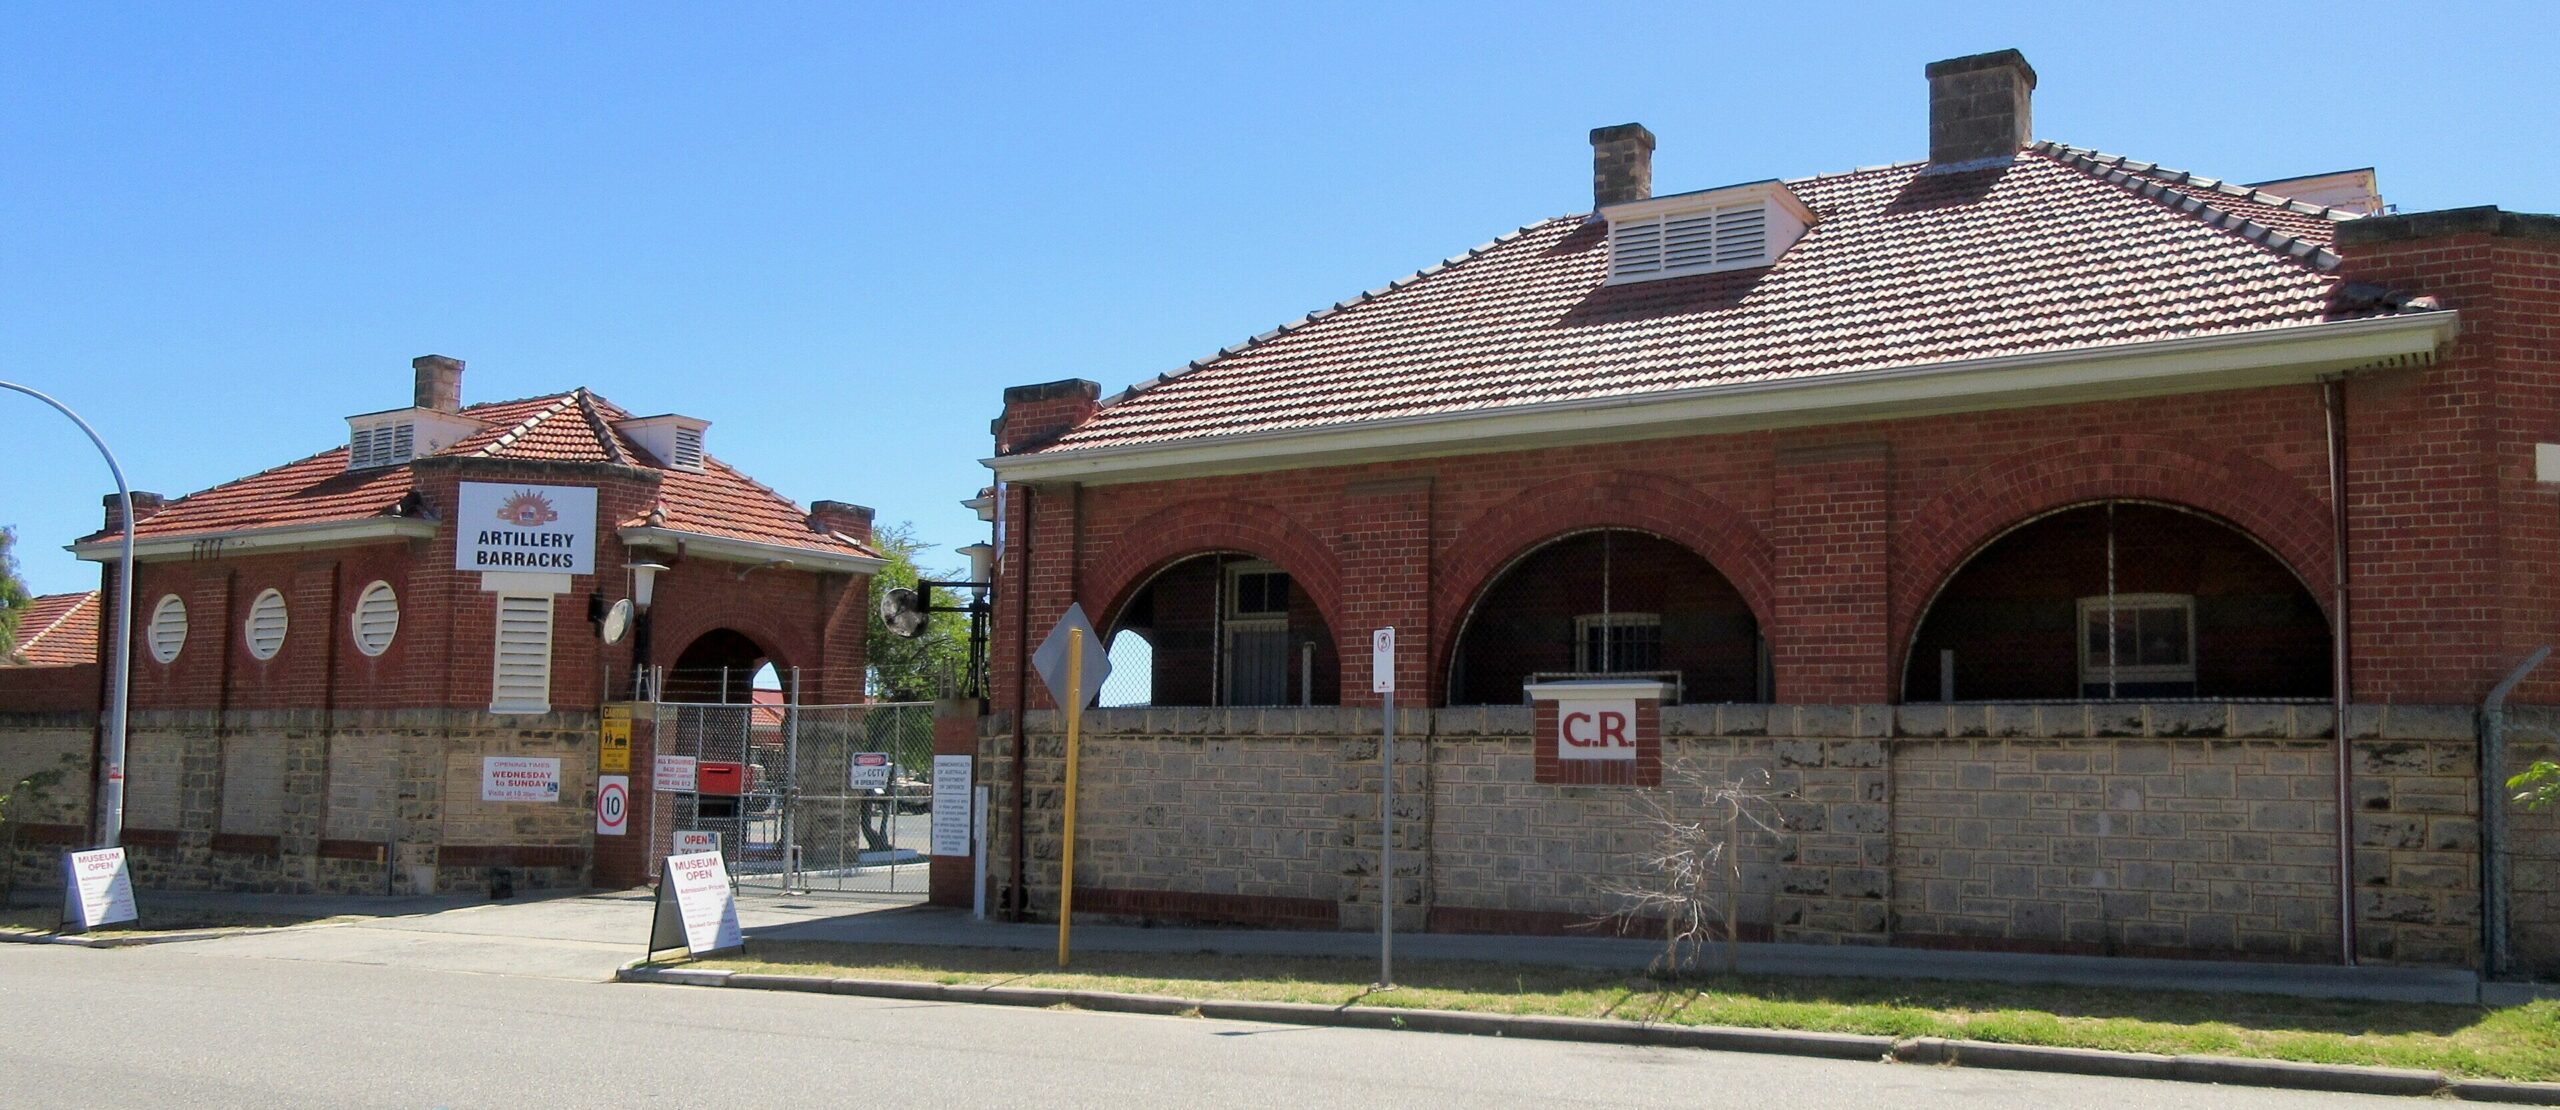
column 831, row 798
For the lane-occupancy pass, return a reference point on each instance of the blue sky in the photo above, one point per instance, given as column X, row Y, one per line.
column 839, row 232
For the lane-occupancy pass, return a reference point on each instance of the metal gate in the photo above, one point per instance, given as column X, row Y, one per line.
column 828, row 798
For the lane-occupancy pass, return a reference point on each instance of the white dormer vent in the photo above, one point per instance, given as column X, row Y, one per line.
column 675, row 441
column 1739, row 227
column 393, row 438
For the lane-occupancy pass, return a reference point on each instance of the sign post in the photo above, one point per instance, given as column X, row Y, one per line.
column 1067, row 852
column 1382, row 681
column 1060, row 662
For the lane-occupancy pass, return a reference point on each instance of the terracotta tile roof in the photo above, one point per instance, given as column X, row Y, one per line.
column 576, row 426
column 2063, row 248
column 58, row 629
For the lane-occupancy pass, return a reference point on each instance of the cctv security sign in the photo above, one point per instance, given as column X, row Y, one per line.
column 506, row 526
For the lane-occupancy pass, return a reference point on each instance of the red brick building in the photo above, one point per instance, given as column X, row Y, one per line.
column 326, row 653
column 2024, row 457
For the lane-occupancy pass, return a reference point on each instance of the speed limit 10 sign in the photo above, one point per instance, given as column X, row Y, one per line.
column 613, row 804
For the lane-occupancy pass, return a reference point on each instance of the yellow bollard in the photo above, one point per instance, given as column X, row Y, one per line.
column 1067, row 852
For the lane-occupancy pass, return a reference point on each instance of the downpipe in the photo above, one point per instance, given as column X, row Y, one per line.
column 2333, row 402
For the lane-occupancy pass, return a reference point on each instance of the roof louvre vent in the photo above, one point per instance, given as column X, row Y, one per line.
column 382, row 444
column 675, row 441
column 1735, row 228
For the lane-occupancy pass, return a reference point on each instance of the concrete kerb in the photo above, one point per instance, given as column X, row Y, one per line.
column 2234, row 1071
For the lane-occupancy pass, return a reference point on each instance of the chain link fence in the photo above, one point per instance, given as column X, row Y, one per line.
column 809, row 798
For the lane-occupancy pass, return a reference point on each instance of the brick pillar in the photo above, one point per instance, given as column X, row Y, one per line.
column 955, row 732
column 628, row 860
column 1829, row 641
column 1385, row 548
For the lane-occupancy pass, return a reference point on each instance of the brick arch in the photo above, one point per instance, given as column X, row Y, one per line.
column 1205, row 526
column 669, row 639
column 1637, row 500
column 2266, row 504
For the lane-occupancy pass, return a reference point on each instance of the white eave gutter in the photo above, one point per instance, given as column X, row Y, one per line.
column 283, row 537
column 2271, row 356
column 727, row 550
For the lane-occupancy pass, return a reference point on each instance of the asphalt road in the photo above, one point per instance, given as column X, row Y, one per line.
column 261, row 1025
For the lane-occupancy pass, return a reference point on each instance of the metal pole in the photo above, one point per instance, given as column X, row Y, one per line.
column 110, row 813
column 787, row 798
column 1067, row 851
column 1387, row 846
column 2493, row 817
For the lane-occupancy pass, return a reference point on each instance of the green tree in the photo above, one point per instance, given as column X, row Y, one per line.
column 2537, row 786
column 904, row 669
column 13, row 594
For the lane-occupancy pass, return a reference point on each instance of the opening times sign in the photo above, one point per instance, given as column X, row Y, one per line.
column 505, row 526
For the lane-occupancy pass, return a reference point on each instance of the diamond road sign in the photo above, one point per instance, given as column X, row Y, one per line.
column 1051, row 659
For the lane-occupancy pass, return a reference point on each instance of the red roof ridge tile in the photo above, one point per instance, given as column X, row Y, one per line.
column 2215, row 184
column 524, row 427
column 31, row 637
column 2144, row 179
column 603, row 428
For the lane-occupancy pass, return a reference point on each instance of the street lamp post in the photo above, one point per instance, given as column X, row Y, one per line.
column 119, row 681
column 644, row 589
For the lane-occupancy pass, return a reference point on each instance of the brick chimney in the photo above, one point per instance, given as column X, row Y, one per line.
column 1036, row 415
column 439, row 382
column 1978, row 107
column 145, row 506
column 1621, row 164
column 841, row 516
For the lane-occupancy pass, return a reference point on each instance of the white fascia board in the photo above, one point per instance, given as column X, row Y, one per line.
column 727, row 550
column 285, row 537
column 2274, row 356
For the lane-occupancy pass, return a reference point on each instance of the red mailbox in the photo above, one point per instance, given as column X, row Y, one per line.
column 720, row 778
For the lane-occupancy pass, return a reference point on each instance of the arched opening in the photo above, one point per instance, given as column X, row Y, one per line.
column 2120, row 599
column 1611, row 601
column 719, row 666
column 1227, row 628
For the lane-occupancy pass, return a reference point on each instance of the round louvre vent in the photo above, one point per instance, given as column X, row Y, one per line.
column 265, row 629
column 168, row 631
column 376, row 619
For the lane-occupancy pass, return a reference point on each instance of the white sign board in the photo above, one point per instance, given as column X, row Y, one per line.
column 1051, row 659
column 98, row 889
column 691, row 841
column 507, row 526
column 869, row 771
column 1382, row 661
column 696, row 909
column 672, row 774
column 1602, row 728
column 951, row 790
column 613, row 805
column 508, row 778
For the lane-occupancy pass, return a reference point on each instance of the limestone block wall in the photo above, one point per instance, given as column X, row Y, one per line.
column 2533, row 847
column 2167, row 829
column 382, row 801
column 31, row 743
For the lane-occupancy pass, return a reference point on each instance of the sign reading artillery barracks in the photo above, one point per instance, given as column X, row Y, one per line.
column 542, row 529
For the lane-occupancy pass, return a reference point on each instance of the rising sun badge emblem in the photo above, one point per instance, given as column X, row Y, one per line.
column 528, row 509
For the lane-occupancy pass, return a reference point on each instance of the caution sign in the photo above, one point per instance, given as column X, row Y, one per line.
column 613, row 755
column 613, row 805
column 869, row 771
column 697, row 911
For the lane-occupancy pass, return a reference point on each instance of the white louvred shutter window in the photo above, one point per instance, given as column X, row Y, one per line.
column 523, row 674
column 688, row 449
column 1742, row 235
column 377, row 618
column 1635, row 247
column 360, row 449
column 404, row 441
column 168, row 628
column 265, row 630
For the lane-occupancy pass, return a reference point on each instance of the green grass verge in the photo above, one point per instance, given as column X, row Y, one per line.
column 2518, row 1043
column 48, row 919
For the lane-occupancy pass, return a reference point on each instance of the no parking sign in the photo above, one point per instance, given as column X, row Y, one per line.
column 613, row 804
